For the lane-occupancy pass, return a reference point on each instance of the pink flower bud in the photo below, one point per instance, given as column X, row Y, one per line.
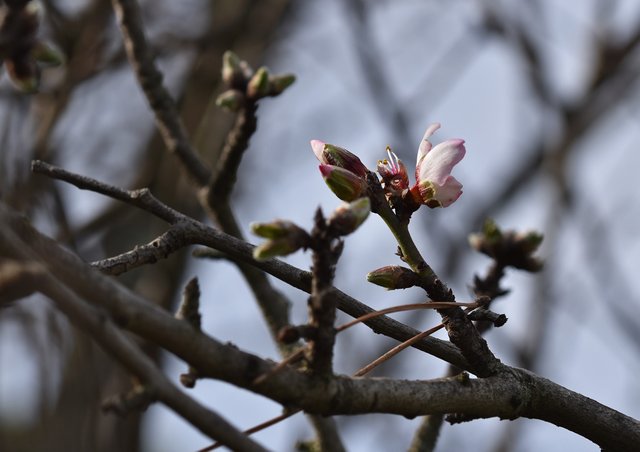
column 329, row 154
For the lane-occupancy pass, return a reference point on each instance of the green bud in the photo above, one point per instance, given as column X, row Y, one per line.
column 491, row 230
column 508, row 248
column 46, row 54
column 232, row 73
column 33, row 9
column 278, row 83
column 230, row 100
column 348, row 217
column 275, row 248
column 24, row 73
column 529, row 241
column 276, row 229
column 343, row 183
column 476, row 241
column 393, row 277
column 258, row 86
column 284, row 238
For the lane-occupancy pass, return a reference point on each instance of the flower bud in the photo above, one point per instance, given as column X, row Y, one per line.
column 343, row 183
column 348, row 217
column 284, row 238
column 276, row 229
column 232, row 73
column 275, row 248
column 259, row 84
column 529, row 241
column 230, row 100
column 337, row 156
column 47, row 54
column 278, row 83
column 24, row 73
column 393, row 277
column 509, row 248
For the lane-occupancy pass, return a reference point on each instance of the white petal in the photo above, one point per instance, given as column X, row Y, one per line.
column 425, row 144
column 437, row 164
column 318, row 149
column 448, row 193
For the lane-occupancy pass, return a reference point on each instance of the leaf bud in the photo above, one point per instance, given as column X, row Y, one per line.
column 348, row 217
column 258, row 86
column 393, row 277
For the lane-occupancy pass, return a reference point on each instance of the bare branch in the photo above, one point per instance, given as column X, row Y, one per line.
column 141, row 58
column 510, row 393
column 141, row 198
column 186, row 231
column 115, row 342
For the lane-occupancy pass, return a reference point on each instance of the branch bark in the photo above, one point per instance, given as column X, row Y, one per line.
column 508, row 394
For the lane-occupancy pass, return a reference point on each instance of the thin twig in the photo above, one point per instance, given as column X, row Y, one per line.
column 397, row 349
column 141, row 198
column 365, row 370
column 404, row 307
column 141, row 58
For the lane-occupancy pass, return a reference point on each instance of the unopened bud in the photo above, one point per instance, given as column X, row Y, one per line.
column 529, row 241
column 275, row 248
column 232, row 73
column 509, row 248
column 47, row 54
column 284, row 238
column 24, row 74
column 278, row 83
column 259, row 84
column 393, row 277
column 348, row 217
column 329, row 154
column 277, row 229
column 230, row 100
column 491, row 230
column 33, row 8
column 343, row 183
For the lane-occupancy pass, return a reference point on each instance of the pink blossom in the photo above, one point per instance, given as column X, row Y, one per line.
column 435, row 186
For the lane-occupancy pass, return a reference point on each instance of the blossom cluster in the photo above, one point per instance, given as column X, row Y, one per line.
column 346, row 175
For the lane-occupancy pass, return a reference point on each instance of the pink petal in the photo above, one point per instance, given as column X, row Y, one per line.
column 436, row 166
column 318, row 148
column 425, row 144
column 449, row 192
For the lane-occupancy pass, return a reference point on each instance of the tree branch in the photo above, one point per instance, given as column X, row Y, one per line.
column 141, row 58
column 186, row 231
column 116, row 343
column 508, row 394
